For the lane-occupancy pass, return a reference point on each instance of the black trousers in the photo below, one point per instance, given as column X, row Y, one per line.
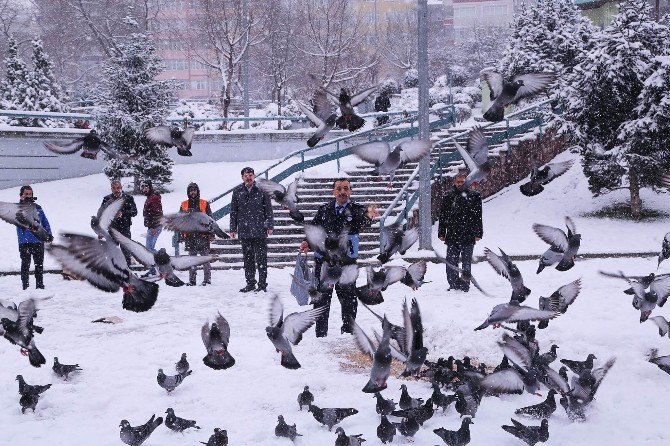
column 36, row 251
column 348, row 301
column 255, row 253
column 125, row 252
column 459, row 253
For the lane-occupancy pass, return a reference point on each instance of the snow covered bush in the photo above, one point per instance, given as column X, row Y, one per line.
column 411, row 78
column 463, row 98
column 475, row 93
column 463, row 112
column 389, row 86
column 268, row 111
column 438, row 94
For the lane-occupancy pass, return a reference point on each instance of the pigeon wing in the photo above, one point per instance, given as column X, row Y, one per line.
column 409, row 331
column 565, row 296
column 497, row 263
column 316, row 120
column 292, row 192
column 386, row 234
column 362, row 96
column 323, row 108
column 363, row 341
column 570, row 225
column 555, row 381
column 552, row 236
column 181, row 222
column 533, row 83
column 142, row 254
column 316, row 237
column 276, row 310
column 557, row 169
column 107, row 213
column 296, row 324
column 8, row 212
column 187, row 135
column 494, row 80
column 524, row 313
column 394, row 274
column 182, row 263
column 224, row 328
column 503, row 381
column 374, row 152
column 408, row 239
column 477, row 146
column 661, row 323
column 72, row 147
column 661, row 287
column 99, row 277
column 349, row 274
column 26, row 311
column 467, row 158
column 271, row 188
column 414, row 150
column 516, row 352
column 417, row 270
column 159, row 135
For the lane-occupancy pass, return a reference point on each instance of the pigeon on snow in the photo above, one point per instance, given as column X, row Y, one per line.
column 531, row 435
column 384, row 406
column 284, row 430
column 305, row 398
column 135, row 436
column 461, row 437
column 170, row 382
column 330, row 416
column 218, row 438
column 182, row 366
column 30, row 394
column 172, row 136
column 177, row 424
column 348, row 440
column 64, row 370
column 216, row 338
column 540, row 410
column 505, row 93
column 386, row 430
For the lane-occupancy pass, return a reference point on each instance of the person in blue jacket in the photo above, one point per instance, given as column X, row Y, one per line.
column 31, row 246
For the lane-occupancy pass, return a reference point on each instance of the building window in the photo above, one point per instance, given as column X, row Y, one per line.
column 465, row 11
column 176, row 64
column 199, row 84
column 197, row 65
column 494, row 10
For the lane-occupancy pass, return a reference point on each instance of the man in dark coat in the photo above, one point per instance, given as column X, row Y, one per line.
column 252, row 220
column 197, row 243
column 152, row 213
column 31, row 246
column 460, row 227
column 332, row 216
column 124, row 218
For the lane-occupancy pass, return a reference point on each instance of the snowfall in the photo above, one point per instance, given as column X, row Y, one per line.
column 120, row 361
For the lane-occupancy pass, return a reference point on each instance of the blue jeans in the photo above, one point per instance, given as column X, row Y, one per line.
column 151, row 243
column 457, row 253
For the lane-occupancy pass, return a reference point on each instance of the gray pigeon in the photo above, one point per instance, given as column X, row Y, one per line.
column 408, row 426
column 216, row 338
column 283, row 332
column 172, row 136
column 102, row 263
column 541, row 177
column 386, row 430
column 378, row 281
column 16, row 325
column 504, row 266
column 135, row 436
column 397, row 332
column 332, row 274
column 562, row 248
column 24, row 215
column 413, row 353
column 170, row 382
column 531, row 435
column 560, row 300
column 30, row 394
column 665, row 249
column 348, row 440
column 384, row 406
column 182, row 366
column 380, row 355
column 461, row 437
column 348, row 118
column 541, row 410
column 29, row 401
column 387, row 160
column 218, row 438
column 578, row 367
column 322, row 117
column 284, row 430
column 514, row 312
column 406, row 401
column 64, row 370
column 192, row 222
column 165, row 262
column 177, row 424
column 332, row 247
column 414, row 275
column 505, row 93
column 585, row 385
column 663, row 362
column 305, row 398
column 396, row 239
column 91, row 145
column 662, row 324
column 476, row 157
column 286, row 197
column 330, row 416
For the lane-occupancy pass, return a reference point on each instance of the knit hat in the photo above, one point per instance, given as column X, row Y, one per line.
column 146, row 183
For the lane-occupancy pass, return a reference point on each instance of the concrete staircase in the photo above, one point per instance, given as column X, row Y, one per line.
column 313, row 192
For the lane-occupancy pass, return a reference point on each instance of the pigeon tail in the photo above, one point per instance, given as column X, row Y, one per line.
column 289, row 361
column 184, row 151
column 494, row 114
column 543, row 324
column 530, row 189
column 140, row 295
column 173, row 280
column 219, row 362
column 483, row 326
column 540, row 267
column 372, row 387
column 314, row 140
column 35, row 357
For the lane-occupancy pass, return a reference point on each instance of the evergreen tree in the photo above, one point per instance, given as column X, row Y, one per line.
column 18, row 91
column 601, row 96
column 131, row 100
column 49, row 95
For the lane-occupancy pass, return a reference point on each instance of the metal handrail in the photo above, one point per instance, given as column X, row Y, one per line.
column 415, row 173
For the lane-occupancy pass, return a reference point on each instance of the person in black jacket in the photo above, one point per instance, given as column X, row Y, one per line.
column 124, row 218
column 460, row 227
column 251, row 219
column 332, row 216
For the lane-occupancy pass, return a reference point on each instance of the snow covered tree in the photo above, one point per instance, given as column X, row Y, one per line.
column 18, row 91
column 49, row 95
column 130, row 101
column 601, row 97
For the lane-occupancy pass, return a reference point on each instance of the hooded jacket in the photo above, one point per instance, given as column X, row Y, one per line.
column 195, row 241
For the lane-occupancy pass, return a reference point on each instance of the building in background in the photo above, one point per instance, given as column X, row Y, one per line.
column 468, row 13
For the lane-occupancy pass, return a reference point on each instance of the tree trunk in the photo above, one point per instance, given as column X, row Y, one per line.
column 279, row 108
column 635, row 201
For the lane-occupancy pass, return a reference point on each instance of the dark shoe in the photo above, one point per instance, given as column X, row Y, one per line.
column 205, row 283
column 25, row 286
column 190, row 284
column 40, row 286
column 346, row 329
column 247, row 288
column 263, row 288
column 321, row 335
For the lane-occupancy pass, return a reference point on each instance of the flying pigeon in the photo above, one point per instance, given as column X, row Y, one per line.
column 192, row 222
column 284, row 430
column 378, row 281
column 386, row 159
column 91, row 143
column 562, row 248
column 102, row 263
column 386, row 430
column 662, row 324
column 560, row 300
column 348, row 119
column 25, row 215
column 332, row 274
column 16, row 325
column 414, row 275
column 332, row 247
column 177, row 424
column 541, row 177
column 461, row 437
column 322, row 117
column 476, row 157
column 166, row 264
column 515, row 312
column 505, row 93
column 465, row 275
column 585, row 385
column 380, row 355
column 413, row 353
column 663, row 362
column 330, row 416
column 541, row 410
column 216, row 338
column 218, row 438
column 396, row 239
column 397, row 332
column 504, row 266
column 64, row 370
column 305, row 398
column 531, row 435
column 171, row 382
column 665, row 249
column 135, row 436
column 283, row 332
column 172, row 137
column 348, row 440
column 283, row 196
column 182, row 366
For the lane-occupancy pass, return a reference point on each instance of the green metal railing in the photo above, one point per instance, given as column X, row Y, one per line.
column 444, row 159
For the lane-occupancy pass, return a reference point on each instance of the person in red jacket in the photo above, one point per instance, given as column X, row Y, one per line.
column 153, row 211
